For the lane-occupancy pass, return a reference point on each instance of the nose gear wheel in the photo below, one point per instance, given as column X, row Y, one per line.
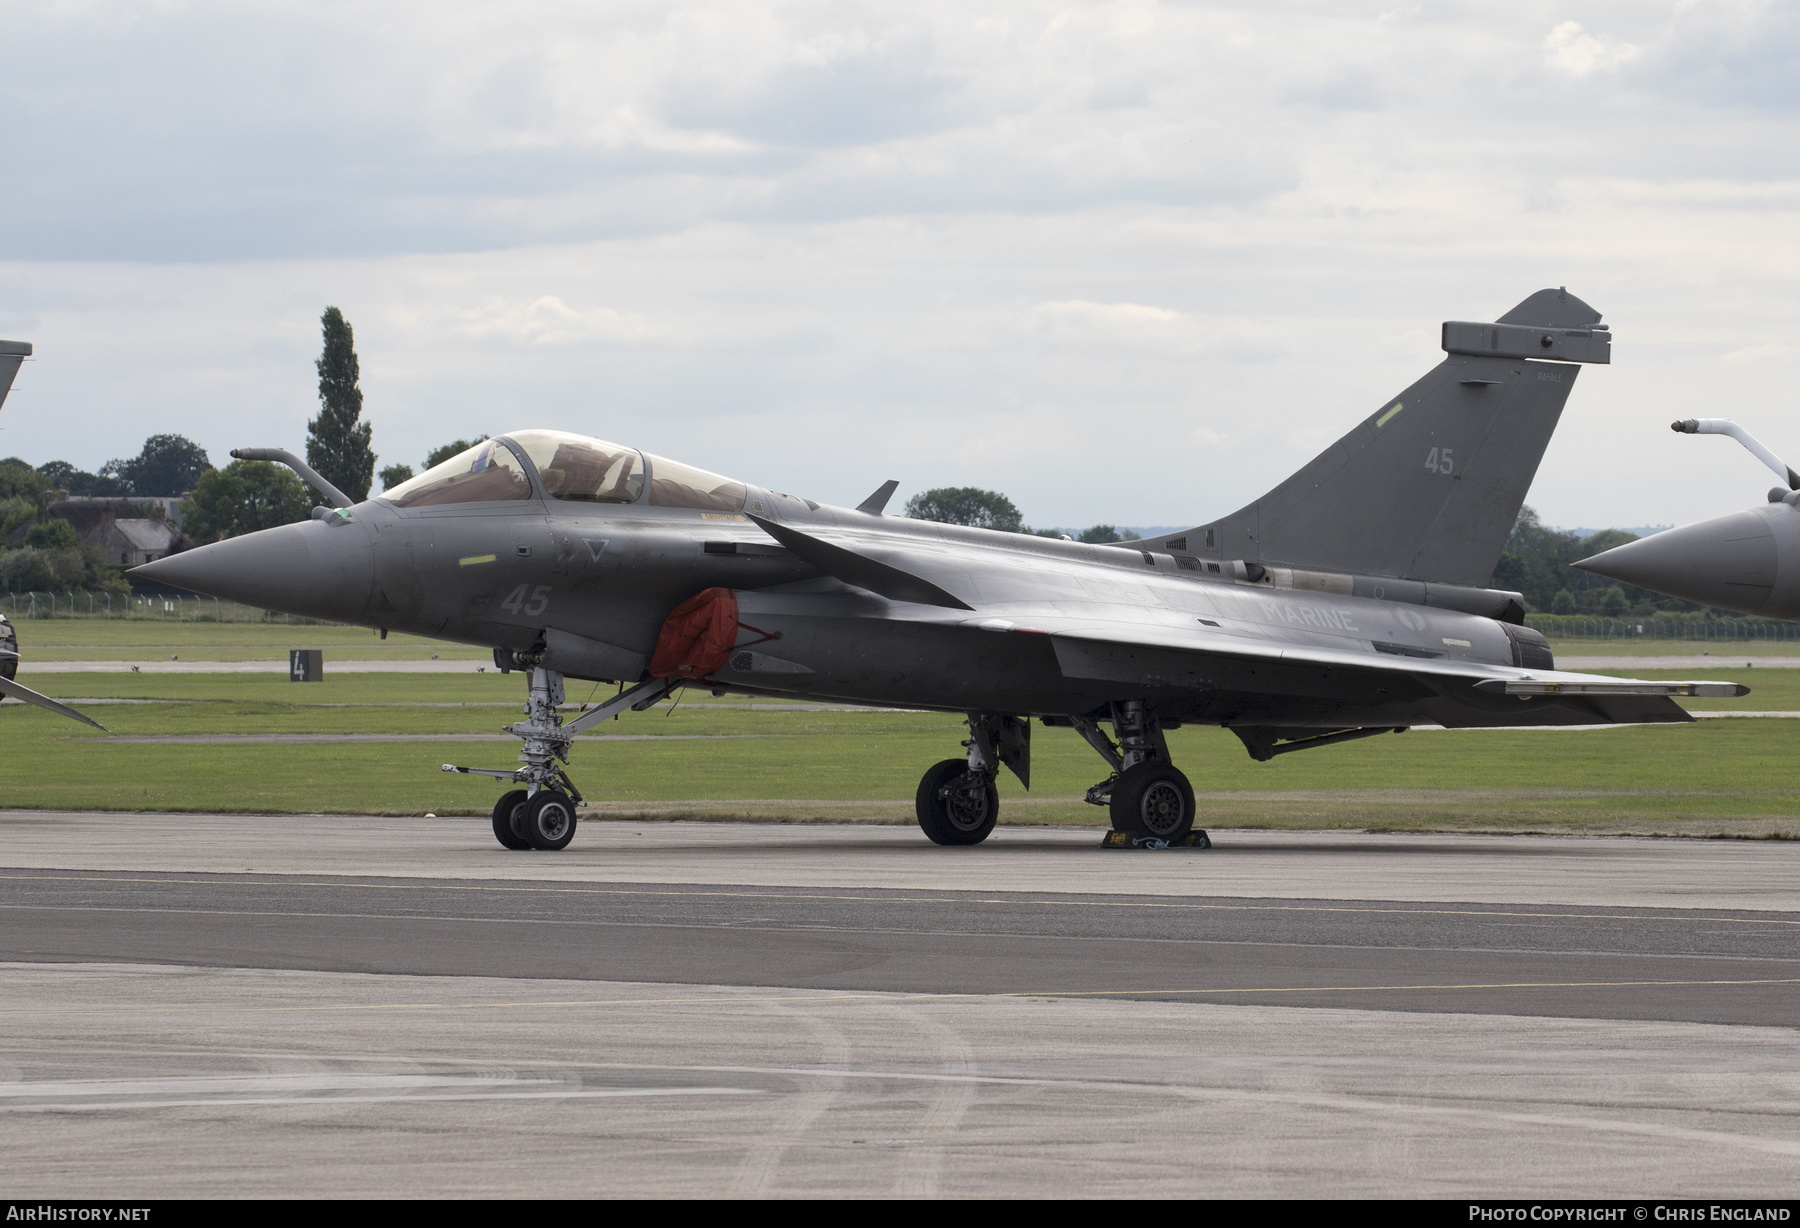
column 509, row 830
column 548, row 820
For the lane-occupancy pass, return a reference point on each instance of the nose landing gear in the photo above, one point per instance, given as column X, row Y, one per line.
column 542, row 815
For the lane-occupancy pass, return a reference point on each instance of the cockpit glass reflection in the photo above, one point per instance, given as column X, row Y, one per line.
column 583, row 470
column 486, row 473
column 673, row 484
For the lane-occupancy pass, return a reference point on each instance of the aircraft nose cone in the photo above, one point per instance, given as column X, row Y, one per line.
column 1728, row 562
column 311, row 569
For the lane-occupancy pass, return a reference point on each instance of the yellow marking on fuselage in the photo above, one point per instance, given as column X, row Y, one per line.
column 1383, row 420
column 475, row 559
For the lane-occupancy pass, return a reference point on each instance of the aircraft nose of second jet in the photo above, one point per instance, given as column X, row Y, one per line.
column 314, row 569
column 1730, row 562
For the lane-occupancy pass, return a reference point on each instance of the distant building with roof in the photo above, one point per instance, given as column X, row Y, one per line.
column 124, row 534
column 133, row 542
column 69, row 507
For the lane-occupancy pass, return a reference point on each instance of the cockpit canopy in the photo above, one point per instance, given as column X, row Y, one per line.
column 582, row 470
column 486, row 473
column 573, row 468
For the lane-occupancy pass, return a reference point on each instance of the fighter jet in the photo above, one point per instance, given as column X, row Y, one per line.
column 1345, row 603
column 13, row 353
column 1748, row 561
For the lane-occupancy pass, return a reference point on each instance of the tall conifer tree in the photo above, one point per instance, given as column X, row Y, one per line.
column 337, row 443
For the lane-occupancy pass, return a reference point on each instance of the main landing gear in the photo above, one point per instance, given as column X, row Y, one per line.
column 957, row 802
column 1146, row 795
column 542, row 814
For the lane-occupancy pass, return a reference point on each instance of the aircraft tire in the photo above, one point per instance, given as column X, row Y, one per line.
column 507, row 826
column 1153, row 799
column 964, row 818
column 549, row 820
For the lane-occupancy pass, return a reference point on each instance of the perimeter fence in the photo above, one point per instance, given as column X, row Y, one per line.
column 1695, row 627
column 81, row 603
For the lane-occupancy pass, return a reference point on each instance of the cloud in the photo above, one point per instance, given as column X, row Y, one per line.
column 1764, row 352
column 1076, row 322
column 1344, row 91
column 1735, row 53
column 1015, row 245
column 547, row 321
column 206, row 130
column 858, row 90
column 1572, row 51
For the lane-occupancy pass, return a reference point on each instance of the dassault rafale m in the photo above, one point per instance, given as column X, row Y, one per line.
column 1746, row 561
column 1345, row 603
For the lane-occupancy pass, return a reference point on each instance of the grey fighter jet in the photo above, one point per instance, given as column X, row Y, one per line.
column 12, row 354
column 1748, row 561
column 1344, row 603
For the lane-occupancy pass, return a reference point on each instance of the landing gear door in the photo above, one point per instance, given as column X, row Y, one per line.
column 1006, row 738
column 1014, row 746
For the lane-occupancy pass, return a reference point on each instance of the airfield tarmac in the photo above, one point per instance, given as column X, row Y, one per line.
column 221, row 1004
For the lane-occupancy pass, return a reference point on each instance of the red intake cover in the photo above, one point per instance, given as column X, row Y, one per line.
column 697, row 636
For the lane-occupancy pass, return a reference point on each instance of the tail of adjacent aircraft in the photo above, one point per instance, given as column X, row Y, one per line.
column 1428, row 486
column 12, row 353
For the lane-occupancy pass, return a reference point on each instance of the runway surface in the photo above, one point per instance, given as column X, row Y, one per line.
column 231, row 1004
column 1557, row 870
column 1714, row 967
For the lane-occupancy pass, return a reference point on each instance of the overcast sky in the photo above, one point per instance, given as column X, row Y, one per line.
column 1126, row 262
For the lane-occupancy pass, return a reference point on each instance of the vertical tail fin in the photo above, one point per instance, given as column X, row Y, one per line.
column 12, row 353
column 1428, row 486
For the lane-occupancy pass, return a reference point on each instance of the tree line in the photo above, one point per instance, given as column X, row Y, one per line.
column 1537, row 561
column 989, row 509
column 43, row 552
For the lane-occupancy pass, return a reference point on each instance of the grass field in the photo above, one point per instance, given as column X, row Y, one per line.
column 706, row 758
column 98, row 639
